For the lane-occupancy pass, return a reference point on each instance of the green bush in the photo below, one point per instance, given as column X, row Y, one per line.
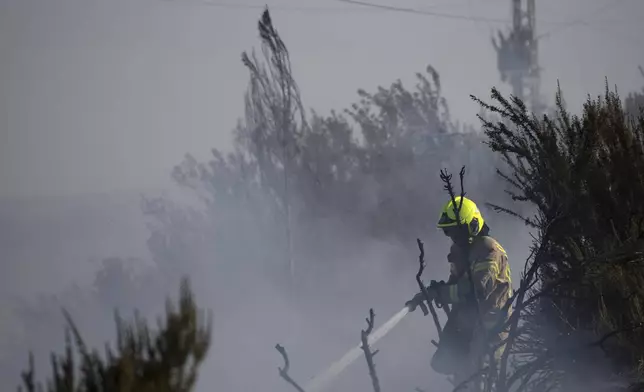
column 166, row 360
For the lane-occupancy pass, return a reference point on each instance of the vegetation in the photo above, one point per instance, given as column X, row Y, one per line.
column 584, row 176
column 144, row 360
column 579, row 310
column 367, row 169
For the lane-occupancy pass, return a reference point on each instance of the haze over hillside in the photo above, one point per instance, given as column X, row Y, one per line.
column 64, row 238
column 290, row 220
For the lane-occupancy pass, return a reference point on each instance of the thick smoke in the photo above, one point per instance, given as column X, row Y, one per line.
column 342, row 197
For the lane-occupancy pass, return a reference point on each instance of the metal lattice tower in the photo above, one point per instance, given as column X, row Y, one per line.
column 517, row 55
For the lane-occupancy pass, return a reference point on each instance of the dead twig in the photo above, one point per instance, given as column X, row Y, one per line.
column 462, row 227
column 447, row 179
column 283, row 371
column 368, row 354
column 423, row 289
column 463, row 234
column 527, row 283
column 526, row 373
column 603, row 339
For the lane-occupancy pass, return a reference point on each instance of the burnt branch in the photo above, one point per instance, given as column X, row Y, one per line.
column 462, row 227
column 447, row 179
column 423, row 289
column 529, row 280
column 600, row 343
column 461, row 176
column 283, row 371
column 526, row 284
column 526, row 372
column 463, row 233
column 368, row 354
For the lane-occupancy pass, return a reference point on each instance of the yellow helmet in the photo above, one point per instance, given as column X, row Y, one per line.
column 469, row 215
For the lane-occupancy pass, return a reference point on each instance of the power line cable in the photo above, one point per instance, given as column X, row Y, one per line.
column 242, row 6
column 448, row 15
column 424, row 12
column 562, row 26
column 580, row 21
column 477, row 24
column 363, row 4
column 624, row 38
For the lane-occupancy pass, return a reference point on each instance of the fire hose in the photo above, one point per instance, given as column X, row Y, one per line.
column 318, row 382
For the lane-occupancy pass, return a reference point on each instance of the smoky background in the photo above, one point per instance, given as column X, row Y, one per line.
column 289, row 237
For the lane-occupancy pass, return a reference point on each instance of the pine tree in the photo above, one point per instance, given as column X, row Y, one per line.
column 166, row 360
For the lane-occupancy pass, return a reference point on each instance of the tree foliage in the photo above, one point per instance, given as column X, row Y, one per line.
column 144, row 359
column 584, row 174
column 362, row 172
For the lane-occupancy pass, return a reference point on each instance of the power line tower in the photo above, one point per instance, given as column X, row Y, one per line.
column 517, row 55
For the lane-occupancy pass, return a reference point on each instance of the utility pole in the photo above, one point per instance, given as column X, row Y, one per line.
column 517, row 55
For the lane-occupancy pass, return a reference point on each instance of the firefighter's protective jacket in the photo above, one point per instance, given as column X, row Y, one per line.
column 490, row 278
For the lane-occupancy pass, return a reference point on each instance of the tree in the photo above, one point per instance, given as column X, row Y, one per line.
column 144, row 360
column 362, row 173
column 405, row 133
column 583, row 288
column 274, row 104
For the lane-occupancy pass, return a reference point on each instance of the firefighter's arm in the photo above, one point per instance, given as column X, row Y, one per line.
column 485, row 270
column 452, row 293
column 484, row 275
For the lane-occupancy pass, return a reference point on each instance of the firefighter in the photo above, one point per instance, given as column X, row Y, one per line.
column 478, row 288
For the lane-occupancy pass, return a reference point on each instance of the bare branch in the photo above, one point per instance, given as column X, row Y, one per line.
column 283, row 371
column 447, row 179
column 423, row 289
column 462, row 228
column 600, row 342
column 463, row 232
column 368, row 354
column 461, row 175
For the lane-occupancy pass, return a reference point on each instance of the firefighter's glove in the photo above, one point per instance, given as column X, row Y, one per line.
column 413, row 303
column 434, row 285
column 418, row 299
column 434, row 291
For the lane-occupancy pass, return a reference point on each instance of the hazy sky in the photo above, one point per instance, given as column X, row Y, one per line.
column 104, row 95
